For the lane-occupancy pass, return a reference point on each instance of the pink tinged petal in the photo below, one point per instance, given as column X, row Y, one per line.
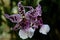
column 38, row 10
column 21, row 8
column 44, row 29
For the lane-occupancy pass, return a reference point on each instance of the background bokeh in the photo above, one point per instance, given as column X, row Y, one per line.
column 50, row 15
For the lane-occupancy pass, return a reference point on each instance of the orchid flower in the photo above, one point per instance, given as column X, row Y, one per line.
column 28, row 21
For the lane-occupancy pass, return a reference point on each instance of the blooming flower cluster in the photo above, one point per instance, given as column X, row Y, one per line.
column 28, row 21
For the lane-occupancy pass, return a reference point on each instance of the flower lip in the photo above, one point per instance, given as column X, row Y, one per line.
column 27, row 33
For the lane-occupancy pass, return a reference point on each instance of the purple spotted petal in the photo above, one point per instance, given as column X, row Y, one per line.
column 16, row 27
column 25, row 23
column 38, row 10
column 21, row 8
column 16, row 18
column 39, row 22
column 30, row 14
column 33, row 13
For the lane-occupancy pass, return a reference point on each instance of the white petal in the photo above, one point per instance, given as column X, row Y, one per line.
column 44, row 29
column 30, row 32
column 23, row 34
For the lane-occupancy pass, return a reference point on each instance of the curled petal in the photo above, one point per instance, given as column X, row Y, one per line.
column 44, row 29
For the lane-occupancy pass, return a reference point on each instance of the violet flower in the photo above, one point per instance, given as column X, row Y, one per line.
column 28, row 21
